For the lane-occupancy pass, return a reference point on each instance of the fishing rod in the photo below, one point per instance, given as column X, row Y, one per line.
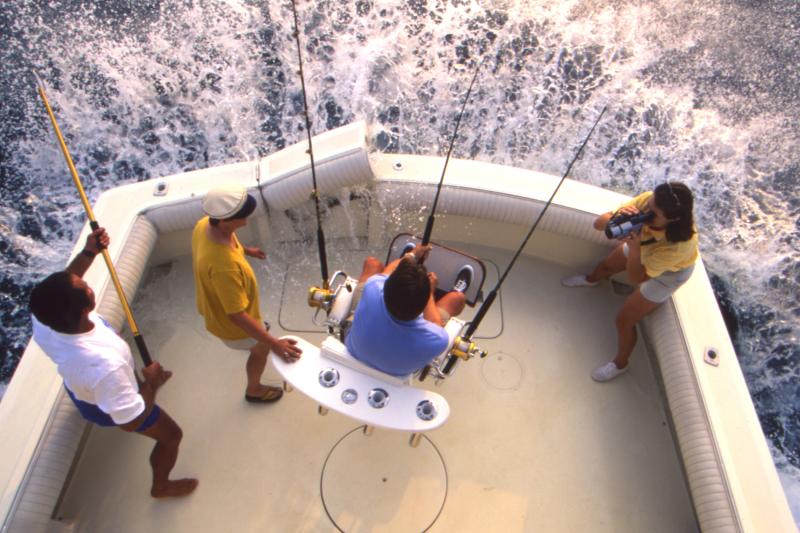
column 323, row 257
column 429, row 224
column 465, row 340
column 137, row 336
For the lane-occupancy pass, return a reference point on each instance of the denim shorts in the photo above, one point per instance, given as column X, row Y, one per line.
column 95, row 415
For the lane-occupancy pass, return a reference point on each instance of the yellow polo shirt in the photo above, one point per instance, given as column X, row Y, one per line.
column 224, row 283
column 663, row 256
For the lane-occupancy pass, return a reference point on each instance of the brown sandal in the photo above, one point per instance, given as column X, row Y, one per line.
column 272, row 394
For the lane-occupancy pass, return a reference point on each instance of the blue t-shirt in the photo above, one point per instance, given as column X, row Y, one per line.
column 396, row 347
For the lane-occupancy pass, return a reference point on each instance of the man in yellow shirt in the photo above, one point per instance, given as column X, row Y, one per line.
column 659, row 259
column 226, row 288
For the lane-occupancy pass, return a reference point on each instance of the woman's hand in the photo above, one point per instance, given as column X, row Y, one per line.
column 628, row 210
column 634, row 266
column 634, row 239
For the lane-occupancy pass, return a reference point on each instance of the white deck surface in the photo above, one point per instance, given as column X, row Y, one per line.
column 532, row 444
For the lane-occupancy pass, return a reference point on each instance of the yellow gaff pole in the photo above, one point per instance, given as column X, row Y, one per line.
column 137, row 337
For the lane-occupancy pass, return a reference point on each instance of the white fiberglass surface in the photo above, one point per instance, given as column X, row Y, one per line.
column 532, row 443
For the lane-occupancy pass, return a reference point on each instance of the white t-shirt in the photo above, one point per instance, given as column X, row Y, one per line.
column 97, row 367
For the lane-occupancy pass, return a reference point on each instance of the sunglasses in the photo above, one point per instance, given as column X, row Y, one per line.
column 674, row 196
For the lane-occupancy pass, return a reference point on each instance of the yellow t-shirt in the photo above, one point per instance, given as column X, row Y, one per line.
column 661, row 255
column 224, row 283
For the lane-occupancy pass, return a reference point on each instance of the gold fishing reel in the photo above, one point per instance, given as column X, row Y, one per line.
column 466, row 349
column 335, row 298
column 320, row 298
column 462, row 349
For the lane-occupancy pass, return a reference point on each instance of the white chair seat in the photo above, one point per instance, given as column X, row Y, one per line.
column 334, row 350
column 324, row 374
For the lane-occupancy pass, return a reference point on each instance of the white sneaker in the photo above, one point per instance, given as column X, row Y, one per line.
column 607, row 372
column 578, row 280
column 463, row 279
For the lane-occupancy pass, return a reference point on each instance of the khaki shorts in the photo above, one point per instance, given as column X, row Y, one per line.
column 659, row 289
column 243, row 344
column 240, row 344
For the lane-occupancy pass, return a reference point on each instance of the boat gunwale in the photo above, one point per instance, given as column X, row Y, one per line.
column 122, row 223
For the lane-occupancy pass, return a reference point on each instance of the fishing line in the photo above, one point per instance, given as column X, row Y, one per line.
column 492, row 295
column 323, row 257
column 429, row 224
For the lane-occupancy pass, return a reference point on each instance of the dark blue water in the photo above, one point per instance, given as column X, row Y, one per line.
column 705, row 92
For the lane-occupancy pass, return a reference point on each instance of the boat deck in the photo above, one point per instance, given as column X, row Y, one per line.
column 532, row 443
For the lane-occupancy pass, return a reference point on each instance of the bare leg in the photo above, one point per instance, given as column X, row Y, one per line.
column 167, row 435
column 255, row 369
column 372, row 266
column 453, row 302
column 613, row 263
column 633, row 310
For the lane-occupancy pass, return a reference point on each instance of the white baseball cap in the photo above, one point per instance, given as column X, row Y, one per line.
column 228, row 201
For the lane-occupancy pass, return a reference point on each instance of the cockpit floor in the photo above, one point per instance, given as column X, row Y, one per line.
column 532, row 443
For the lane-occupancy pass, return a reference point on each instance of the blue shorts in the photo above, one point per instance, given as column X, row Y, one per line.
column 95, row 415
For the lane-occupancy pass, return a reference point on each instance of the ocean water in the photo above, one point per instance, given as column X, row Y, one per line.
column 704, row 92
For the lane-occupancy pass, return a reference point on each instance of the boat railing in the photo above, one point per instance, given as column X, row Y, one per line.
column 59, row 445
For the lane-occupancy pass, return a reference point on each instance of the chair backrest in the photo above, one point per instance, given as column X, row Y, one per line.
column 334, row 350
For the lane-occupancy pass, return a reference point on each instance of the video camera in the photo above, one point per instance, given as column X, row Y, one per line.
column 623, row 225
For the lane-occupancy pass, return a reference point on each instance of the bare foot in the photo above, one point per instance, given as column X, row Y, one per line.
column 175, row 489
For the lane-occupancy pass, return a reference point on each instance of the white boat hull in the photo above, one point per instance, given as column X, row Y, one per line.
column 720, row 448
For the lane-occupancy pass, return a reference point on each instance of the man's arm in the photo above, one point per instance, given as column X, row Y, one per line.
column 431, row 312
column 95, row 242
column 154, row 377
column 419, row 253
column 285, row 348
column 254, row 251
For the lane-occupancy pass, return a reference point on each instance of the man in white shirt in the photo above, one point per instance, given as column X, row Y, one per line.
column 98, row 368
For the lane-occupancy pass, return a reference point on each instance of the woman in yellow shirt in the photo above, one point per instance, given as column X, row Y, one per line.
column 659, row 258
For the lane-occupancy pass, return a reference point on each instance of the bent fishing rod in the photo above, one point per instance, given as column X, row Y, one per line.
column 426, row 237
column 466, row 338
column 323, row 257
column 137, row 336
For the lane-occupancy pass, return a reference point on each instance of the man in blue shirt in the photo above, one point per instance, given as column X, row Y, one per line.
column 397, row 327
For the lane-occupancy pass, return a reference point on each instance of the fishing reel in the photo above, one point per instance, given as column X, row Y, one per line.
column 460, row 348
column 320, row 298
column 336, row 300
